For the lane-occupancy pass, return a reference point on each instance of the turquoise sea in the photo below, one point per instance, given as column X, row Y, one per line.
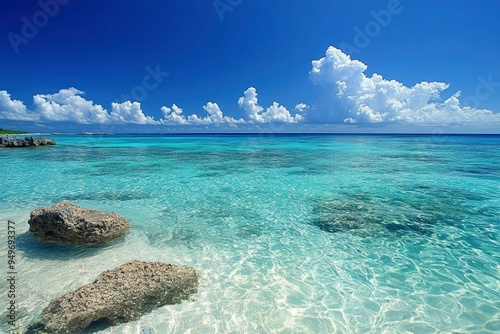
column 292, row 233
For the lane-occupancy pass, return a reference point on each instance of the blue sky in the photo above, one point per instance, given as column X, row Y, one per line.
column 88, row 65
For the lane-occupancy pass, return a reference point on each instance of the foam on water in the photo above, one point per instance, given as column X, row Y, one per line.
column 292, row 234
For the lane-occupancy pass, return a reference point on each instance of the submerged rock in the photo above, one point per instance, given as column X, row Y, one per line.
column 337, row 216
column 119, row 295
column 366, row 217
column 25, row 142
column 68, row 222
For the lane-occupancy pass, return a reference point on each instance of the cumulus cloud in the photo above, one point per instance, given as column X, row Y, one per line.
column 301, row 107
column 214, row 116
column 375, row 99
column 14, row 110
column 69, row 106
column 175, row 115
column 249, row 103
column 129, row 112
column 275, row 113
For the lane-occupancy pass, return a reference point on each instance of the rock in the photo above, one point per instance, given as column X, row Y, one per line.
column 68, row 222
column 333, row 215
column 43, row 141
column 25, row 142
column 119, row 295
column 3, row 139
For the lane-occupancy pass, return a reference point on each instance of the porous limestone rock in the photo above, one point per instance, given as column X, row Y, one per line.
column 119, row 295
column 67, row 222
column 25, row 142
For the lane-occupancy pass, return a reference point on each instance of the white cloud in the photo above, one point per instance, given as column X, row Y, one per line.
column 175, row 115
column 275, row 113
column 280, row 114
column 129, row 112
column 301, row 107
column 375, row 99
column 215, row 116
column 68, row 106
column 14, row 110
column 249, row 103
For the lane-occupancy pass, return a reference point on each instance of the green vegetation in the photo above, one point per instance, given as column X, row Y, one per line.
column 11, row 132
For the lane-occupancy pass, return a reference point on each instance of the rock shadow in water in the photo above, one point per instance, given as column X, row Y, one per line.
column 34, row 248
column 98, row 325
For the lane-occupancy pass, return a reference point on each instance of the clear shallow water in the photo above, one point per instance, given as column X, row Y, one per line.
column 292, row 234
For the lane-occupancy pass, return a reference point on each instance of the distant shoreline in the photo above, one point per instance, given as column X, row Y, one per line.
column 277, row 134
column 12, row 132
column 230, row 134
